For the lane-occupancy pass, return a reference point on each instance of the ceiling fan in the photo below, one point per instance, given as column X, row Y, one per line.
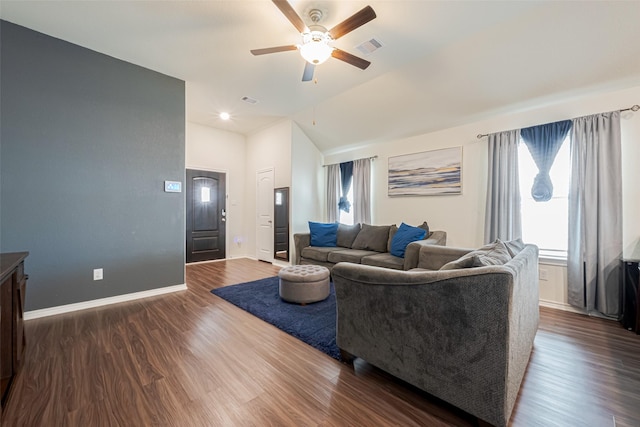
column 316, row 39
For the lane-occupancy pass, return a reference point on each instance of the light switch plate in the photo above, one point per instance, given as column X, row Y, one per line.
column 173, row 187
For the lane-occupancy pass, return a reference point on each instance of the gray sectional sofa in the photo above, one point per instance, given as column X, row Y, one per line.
column 366, row 244
column 463, row 333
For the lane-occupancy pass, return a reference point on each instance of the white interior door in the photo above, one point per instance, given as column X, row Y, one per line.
column 264, row 208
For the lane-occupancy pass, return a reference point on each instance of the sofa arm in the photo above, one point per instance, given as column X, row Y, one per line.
column 412, row 253
column 300, row 241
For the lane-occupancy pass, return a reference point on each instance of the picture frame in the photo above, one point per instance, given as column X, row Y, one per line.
column 428, row 173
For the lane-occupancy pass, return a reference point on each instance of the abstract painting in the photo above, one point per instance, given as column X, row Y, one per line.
column 428, row 173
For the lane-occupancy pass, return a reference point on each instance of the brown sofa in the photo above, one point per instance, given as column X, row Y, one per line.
column 366, row 244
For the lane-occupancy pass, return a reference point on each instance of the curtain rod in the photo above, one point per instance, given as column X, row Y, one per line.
column 370, row 158
column 634, row 109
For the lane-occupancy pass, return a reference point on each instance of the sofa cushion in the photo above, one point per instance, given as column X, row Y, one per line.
column 323, row 234
column 348, row 255
column 347, row 234
column 318, row 253
column 405, row 235
column 495, row 253
column 384, row 260
column 372, row 238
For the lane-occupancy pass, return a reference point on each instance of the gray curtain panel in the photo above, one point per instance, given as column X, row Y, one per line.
column 362, row 191
column 333, row 192
column 503, row 218
column 595, row 214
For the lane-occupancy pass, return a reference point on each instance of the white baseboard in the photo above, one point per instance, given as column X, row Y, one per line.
column 207, row 261
column 68, row 308
column 561, row 306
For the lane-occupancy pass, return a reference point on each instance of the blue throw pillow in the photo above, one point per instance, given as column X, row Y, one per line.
column 323, row 234
column 405, row 235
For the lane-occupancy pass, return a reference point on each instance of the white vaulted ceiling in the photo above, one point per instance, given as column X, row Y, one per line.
column 443, row 63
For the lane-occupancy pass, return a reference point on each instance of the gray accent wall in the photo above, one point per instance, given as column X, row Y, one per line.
column 86, row 143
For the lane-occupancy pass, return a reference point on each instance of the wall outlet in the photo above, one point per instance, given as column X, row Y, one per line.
column 543, row 274
column 97, row 274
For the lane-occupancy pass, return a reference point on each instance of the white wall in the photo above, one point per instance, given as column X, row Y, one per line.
column 221, row 151
column 462, row 217
column 307, row 184
column 268, row 148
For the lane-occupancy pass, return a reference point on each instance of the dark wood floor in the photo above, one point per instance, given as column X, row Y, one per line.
column 192, row 359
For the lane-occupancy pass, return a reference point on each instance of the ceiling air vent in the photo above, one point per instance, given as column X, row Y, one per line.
column 249, row 100
column 370, row 46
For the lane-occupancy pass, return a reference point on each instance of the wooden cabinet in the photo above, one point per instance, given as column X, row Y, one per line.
column 13, row 284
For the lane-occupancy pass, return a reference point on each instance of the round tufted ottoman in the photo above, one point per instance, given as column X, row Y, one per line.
column 304, row 283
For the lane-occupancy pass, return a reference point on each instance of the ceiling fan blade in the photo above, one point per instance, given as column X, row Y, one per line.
column 350, row 59
column 353, row 22
column 309, row 68
column 291, row 14
column 273, row 49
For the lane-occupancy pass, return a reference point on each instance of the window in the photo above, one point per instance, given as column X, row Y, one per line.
column 545, row 224
column 347, row 218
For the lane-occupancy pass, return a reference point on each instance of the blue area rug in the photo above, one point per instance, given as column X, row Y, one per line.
column 314, row 323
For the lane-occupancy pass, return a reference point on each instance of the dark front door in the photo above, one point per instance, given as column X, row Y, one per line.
column 205, row 215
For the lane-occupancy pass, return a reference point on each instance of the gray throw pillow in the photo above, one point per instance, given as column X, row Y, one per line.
column 495, row 253
column 347, row 234
column 425, row 226
column 461, row 262
column 372, row 238
column 393, row 229
column 514, row 246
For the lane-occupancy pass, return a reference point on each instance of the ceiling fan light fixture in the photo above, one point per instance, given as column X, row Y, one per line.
column 315, row 47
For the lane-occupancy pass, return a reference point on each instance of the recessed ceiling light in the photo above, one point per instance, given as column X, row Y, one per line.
column 225, row 116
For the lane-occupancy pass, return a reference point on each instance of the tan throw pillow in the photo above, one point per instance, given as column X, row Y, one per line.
column 372, row 238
